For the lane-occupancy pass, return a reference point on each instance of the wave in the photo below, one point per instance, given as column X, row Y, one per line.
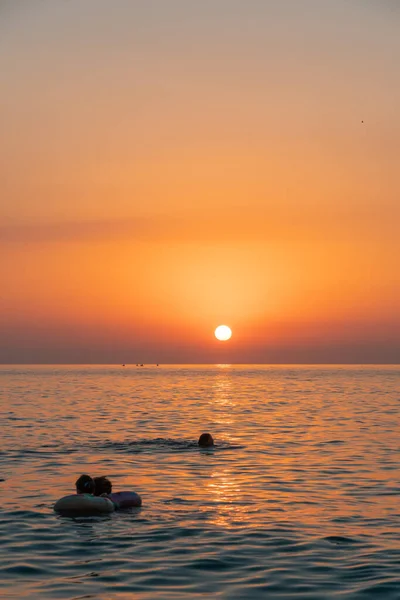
column 162, row 445
column 123, row 446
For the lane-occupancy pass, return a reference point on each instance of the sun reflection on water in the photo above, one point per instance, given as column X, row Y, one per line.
column 229, row 509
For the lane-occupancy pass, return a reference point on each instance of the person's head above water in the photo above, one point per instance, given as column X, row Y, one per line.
column 206, row 440
column 102, row 485
column 84, row 485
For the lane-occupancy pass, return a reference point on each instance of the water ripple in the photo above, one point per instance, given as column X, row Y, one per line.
column 298, row 499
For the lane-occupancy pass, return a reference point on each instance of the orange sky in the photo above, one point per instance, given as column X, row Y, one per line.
column 167, row 166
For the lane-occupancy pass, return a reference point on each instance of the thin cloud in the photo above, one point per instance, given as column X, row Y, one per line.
column 243, row 225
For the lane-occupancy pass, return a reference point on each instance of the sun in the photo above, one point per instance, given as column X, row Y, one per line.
column 223, row 333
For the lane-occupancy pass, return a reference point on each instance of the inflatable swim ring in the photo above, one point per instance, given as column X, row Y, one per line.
column 125, row 499
column 83, row 505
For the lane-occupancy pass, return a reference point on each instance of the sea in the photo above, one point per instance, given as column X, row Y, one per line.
column 298, row 499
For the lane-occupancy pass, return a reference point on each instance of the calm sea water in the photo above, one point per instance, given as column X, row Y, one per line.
column 299, row 499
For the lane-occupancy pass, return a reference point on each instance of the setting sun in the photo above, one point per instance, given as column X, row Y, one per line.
column 223, row 333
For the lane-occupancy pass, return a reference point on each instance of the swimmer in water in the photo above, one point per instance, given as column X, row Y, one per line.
column 206, row 440
column 84, row 485
column 102, row 486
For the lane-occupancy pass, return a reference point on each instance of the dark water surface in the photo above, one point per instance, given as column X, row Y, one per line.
column 299, row 499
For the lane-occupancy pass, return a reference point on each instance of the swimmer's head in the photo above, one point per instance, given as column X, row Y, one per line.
column 84, row 485
column 102, row 485
column 206, row 440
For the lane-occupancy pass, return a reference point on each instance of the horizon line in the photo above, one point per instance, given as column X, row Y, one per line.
column 165, row 364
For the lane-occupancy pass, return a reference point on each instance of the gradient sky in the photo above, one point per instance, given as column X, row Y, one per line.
column 170, row 165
